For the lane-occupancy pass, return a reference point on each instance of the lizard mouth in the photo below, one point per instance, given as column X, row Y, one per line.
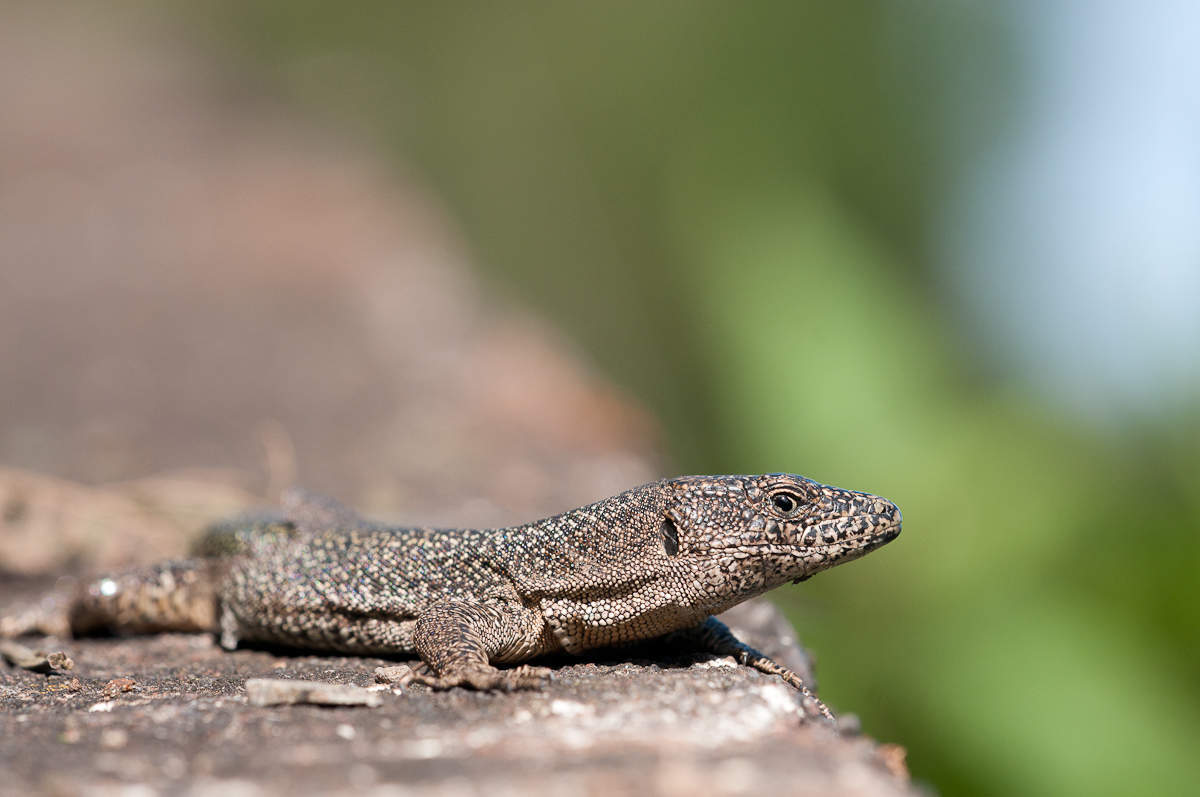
column 858, row 543
column 874, row 529
column 851, row 532
column 823, row 555
column 880, row 537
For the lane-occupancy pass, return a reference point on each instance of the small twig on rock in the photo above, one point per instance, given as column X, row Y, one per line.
column 36, row 661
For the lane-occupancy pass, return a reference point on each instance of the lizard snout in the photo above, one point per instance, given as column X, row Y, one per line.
column 853, row 519
column 881, row 518
column 887, row 514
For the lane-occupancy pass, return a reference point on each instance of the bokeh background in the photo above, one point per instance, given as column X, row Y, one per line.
column 946, row 252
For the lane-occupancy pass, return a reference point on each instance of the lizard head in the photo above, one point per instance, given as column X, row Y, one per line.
column 749, row 534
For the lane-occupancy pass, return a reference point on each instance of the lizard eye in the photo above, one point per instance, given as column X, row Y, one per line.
column 786, row 503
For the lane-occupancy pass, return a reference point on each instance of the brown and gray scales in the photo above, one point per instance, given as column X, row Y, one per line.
column 659, row 559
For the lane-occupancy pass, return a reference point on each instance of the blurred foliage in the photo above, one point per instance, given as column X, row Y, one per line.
column 729, row 205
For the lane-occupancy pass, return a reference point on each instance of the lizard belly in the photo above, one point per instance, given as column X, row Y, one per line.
column 580, row 626
column 295, row 609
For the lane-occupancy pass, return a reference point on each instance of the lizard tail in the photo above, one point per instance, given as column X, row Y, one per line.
column 175, row 595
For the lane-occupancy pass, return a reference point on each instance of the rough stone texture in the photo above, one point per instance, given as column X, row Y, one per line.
column 663, row 723
column 262, row 692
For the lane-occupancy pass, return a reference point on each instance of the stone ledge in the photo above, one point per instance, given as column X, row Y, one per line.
column 676, row 723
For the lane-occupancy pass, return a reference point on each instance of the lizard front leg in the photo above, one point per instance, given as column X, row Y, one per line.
column 714, row 636
column 460, row 639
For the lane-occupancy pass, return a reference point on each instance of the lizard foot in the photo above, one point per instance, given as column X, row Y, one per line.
column 715, row 636
column 813, row 706
column 485, row 677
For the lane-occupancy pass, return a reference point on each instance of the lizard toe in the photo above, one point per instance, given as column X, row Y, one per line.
column 526, row 677
column 481, row 678
column 488, row 678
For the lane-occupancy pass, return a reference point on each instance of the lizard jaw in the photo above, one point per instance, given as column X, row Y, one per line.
column 823, row 557
column 850, row 529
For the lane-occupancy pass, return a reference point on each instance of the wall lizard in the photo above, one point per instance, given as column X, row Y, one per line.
column 656, row 560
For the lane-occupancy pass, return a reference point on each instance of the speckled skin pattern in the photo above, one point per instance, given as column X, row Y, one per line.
column 657, row 559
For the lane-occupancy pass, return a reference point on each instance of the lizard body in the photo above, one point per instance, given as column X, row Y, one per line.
column 659, row 559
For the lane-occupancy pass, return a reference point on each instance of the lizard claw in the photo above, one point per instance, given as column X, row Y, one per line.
column 813, row 707
column 527, row 677
column 488, row 678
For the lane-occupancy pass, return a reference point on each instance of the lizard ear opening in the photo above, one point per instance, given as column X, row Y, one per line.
column 670, row 536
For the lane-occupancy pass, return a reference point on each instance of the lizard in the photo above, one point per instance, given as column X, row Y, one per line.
column 661, row 559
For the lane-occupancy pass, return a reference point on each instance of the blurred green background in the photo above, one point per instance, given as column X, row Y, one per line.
column 739, row 210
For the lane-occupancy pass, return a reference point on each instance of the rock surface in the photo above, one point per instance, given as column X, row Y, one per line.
column 261, row 692
column 180, row 722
